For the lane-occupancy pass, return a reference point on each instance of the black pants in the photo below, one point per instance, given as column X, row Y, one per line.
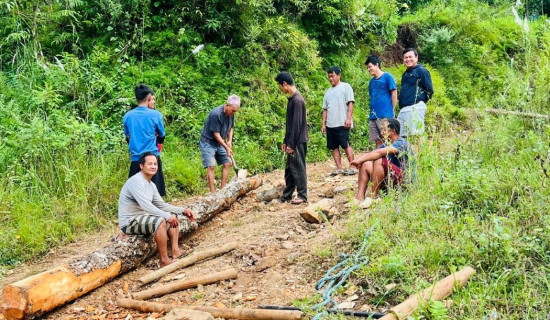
column 295, row 173
column 158, row 178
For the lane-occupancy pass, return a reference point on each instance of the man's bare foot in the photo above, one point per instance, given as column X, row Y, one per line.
column 165, row 263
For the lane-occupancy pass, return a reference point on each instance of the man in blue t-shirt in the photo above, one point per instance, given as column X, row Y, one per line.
column 383, row 98
column 393, row 160
column 144, row 132
column 216, row 140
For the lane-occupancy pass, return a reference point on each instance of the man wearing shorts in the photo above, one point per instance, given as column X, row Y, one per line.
column 216, row 140
column 337, row 119
column 392, row 160
column 144, row 132
column 141, row 210
column 383, row 98
column 416, row 90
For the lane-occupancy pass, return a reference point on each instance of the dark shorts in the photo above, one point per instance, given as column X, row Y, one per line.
column 375, row 129
column 393, row 172
column 144, row 225
column 158, row 178
column 336, row 137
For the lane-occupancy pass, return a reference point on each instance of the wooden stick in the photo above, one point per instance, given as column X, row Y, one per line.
column 437, row 292
column 38, row 294
column 186, row 283
column 187, row 261
column 518, row 113
column 226, row 313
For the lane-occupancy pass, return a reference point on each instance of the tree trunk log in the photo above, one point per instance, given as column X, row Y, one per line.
column 439, row 291
column 187, row 261
column 518, row 113
column 43, row 292
column 226, row 313
column 185, row 284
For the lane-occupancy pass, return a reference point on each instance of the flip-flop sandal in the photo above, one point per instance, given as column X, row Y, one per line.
column 336, row 172
column 298, row 201
column 350, row 172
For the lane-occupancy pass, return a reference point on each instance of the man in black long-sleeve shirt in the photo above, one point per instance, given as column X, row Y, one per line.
column 295, row 141
column 416, row 90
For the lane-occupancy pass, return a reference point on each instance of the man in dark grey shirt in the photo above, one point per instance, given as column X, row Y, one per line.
column 295, row 141
column 216, row 140
column 141, row 210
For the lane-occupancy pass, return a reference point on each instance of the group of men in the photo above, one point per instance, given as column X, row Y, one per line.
column 143, row 211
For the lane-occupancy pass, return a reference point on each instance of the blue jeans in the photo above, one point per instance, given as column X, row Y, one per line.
column 212, row 154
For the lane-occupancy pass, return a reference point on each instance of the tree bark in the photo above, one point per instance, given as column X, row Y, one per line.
column 43, row 292
column 437, row 292
column 185, row 284
column 226, row 313
column 187, row 261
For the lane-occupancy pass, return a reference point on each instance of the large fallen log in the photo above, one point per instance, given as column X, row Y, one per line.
column 43, row 292
column 437, row 292
column 226, row 313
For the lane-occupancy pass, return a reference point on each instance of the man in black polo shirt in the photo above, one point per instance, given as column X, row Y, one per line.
column 295, row 141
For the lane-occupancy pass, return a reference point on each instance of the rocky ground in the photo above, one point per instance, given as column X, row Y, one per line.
column 280, row 256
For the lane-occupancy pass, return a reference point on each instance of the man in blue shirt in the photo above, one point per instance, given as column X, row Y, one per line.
column 144, row 129
column 217, row 138
column 383, row 98
column 416, row 90
column 392, row 160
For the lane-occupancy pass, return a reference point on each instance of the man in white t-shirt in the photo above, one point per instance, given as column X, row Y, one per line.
column 338, row 119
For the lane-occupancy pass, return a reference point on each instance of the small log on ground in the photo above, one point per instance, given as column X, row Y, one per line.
column 43, row 292
column 312, row 213
column 187, row 261
column 184, row 314
column 518, row 113
column 275, row 192
column 186, row 283
column 439, row 291
column 226, row 313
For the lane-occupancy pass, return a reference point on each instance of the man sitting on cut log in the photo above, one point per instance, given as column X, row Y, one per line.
column 392, row 160
column 141, row 210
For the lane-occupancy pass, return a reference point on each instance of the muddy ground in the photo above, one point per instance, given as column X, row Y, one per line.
column 280, row 256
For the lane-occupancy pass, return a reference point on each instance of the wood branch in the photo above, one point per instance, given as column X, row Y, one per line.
column 185, row 314
column 226, row 313
column 43, row 292
column 186, row 283
column 187, row 261
column 439, row 291
column 312, row 213
column 517, row 113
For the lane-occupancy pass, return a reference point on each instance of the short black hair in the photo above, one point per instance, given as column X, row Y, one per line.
column 335, row 70
column 393, row 124
column 374, row 60
column 142, row 91
column 409, row 50
column 284, row 77
column 145, row 155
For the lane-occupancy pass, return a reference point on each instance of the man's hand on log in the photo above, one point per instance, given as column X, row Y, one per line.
column 173, row 221
column 188, row 213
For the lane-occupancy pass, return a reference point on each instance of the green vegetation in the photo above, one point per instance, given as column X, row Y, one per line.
column 68, row 69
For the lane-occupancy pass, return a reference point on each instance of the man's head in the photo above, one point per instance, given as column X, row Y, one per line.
column 232, row 105
column 285, row 81
column 410, row 57
column 390, row 129
column 334, row 74
column 373, row 64
column 145, row 96
column 148, row 163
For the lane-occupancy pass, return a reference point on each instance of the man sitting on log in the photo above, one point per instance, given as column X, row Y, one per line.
column 141, row 210
column 392, row 160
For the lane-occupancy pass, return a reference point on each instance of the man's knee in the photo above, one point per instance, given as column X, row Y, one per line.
column 227, row 165
column 210, row 169
column 162, row 226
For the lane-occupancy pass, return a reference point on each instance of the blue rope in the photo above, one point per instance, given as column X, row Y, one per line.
column 334, row 280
